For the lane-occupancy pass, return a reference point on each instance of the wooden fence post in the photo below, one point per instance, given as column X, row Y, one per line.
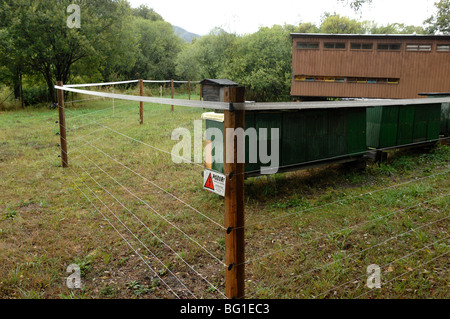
column 62, row 126
column 141, row 104
column 234, row 198
column 189, row 88
column 172, row 91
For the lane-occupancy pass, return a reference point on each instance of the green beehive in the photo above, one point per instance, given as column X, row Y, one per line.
column 445, row 119
column 445, row 112
column 390, row 126
column 305, row 136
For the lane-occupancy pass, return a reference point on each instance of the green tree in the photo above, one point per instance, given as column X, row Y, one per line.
column 262, row 62
column 40, row 37
column 157, row 47
column 147, row 13
column 440, row 21
column 307, row 27
column 334, row 23
column 207, row 57
column 395, row 28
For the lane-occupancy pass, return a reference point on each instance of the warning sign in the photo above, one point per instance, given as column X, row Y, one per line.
column 214, row 182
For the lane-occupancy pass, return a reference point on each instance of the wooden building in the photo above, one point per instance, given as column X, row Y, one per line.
column 369, row 66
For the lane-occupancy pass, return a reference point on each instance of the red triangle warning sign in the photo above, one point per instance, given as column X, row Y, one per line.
column 209, row 183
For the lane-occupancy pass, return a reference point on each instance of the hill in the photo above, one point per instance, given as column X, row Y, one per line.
column 185, row 35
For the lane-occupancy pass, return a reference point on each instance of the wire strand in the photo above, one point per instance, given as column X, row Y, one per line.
column 351, row 255
column 120, row 234
column 345, row 199
column 156, row 212
column 385, row 265
column 157, row 186
column 126, row 227
column 342, row 230
column 156, row 236
column 409, row 271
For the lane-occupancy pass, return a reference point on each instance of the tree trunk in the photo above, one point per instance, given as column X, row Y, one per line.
column 17, row 83
column 50, row 85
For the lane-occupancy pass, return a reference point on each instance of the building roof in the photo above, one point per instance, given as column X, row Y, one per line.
column 221, row 82
column 377, row 36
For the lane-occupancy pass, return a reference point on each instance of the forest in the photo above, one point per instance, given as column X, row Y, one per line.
column 119, row 42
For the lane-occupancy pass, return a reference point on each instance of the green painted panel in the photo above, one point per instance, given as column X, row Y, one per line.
column 420, row 124
column 434, row 121
column 317, row 134
column 268, row 121
column 356, row 131
column 445, row 119
column 373, row 126
column 307, row 135
column 405, row 124
column 294, row 138
column 337, row 132
column 249, row 122
column 389, row 126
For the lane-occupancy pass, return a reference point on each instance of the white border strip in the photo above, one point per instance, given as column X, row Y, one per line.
column 148, row 99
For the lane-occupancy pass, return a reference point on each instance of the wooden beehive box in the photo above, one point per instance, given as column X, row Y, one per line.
column 213, row 89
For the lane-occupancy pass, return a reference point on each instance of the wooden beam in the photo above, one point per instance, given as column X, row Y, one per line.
column 234, row 200
column 141, row 104
column 62, row 126
column 172, row 89
column 189, row 89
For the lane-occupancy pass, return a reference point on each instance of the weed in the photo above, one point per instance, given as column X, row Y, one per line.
column 85, row 264
column 10, row 213
column 138, row 289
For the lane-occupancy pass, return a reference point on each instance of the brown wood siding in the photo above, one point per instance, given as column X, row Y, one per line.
column 418, row 71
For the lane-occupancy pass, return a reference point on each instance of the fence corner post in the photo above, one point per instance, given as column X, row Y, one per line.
column 234, row 197
column 172, row 89
column 62, row 126
column 141, row 104
column 189, row 89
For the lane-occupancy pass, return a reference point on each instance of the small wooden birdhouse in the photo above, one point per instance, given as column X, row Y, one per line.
column 213, row 89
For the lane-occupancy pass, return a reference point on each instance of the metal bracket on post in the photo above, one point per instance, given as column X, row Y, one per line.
column 231, row 109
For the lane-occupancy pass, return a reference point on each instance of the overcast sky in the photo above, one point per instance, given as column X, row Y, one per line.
column 246, row 16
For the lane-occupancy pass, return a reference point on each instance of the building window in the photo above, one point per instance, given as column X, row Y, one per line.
column 389, row 46
column 307, row 45
column 443, row 47
column 361, row 46
column 418, row 47
column 342, row 79
column 334, row 45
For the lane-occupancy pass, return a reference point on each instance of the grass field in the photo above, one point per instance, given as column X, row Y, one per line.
column 309, row 234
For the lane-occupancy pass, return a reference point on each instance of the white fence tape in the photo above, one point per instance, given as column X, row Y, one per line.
column 169, row 81
column 262, row 106
column 148, row 99
column 249, row 106
column 100, row 84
